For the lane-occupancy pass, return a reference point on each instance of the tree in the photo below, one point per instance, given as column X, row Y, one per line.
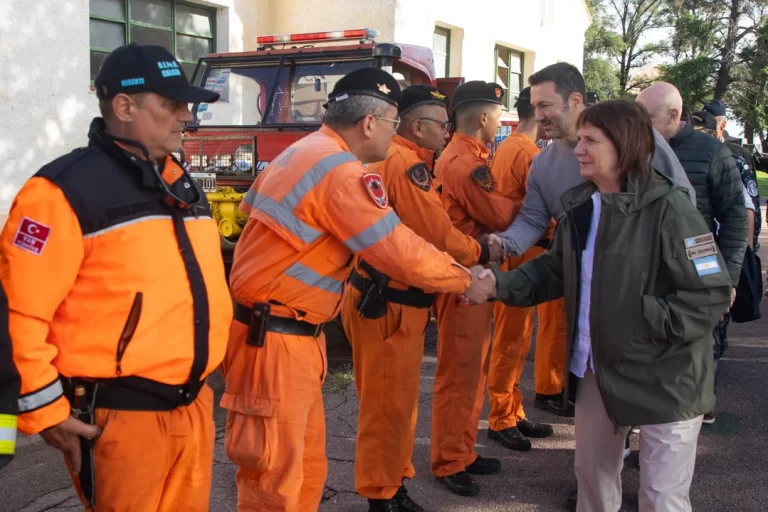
column 633, row 18
column 748, row 96
column 600, row 41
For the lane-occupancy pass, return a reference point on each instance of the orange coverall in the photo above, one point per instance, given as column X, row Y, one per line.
column 309, row 212
column 464, row 332
column 513, row 327
column 99, row 288
column 388, row 351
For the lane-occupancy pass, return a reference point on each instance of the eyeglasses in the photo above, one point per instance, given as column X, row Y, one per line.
column 446, row 125
column 395, row 122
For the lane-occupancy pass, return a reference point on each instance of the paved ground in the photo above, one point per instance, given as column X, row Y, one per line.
column 730, row 472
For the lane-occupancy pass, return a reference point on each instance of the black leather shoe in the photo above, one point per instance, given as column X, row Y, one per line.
column 534, row 430
column 460, row 483
column 405, row 503
column 382, row 506
column 484, row 466
column 510, row 438
column 573, row 499
column 554, row 404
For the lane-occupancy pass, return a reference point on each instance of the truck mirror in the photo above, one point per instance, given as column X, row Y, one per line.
column 318, row 85
column 386, row 54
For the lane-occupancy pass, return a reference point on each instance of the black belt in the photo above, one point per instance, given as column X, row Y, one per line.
column 128, row 394
column 279, row 324
column 412, row 298
column 544, row 242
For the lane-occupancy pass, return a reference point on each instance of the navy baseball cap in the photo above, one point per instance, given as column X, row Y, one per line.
column 134, row 68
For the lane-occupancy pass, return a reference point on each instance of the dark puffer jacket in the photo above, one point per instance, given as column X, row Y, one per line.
column 719, row 197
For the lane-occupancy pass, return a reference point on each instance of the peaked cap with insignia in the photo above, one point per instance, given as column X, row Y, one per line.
column 477, row 90
column 704, row 119
column 418, row 95
column 367, row 81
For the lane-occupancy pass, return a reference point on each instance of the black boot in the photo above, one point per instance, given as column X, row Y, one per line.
column 405, row 503
column 460, row 483
column 382, row 506
column 535, row 430
column 510, row 438
column 554, row 404
column 484, row 466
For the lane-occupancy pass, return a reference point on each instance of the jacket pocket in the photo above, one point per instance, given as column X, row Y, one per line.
column 129, row 329
column 252, row 436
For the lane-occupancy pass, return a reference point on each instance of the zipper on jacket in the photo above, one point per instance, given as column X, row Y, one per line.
column 592, row 338
column 128, row 331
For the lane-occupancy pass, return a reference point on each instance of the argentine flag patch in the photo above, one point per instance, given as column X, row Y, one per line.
column 706, row 265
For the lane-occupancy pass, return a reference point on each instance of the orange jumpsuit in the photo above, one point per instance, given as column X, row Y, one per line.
column 310, row 211
column 464, row 332
column 513, row 327
column 107, row 282
column 388, row 351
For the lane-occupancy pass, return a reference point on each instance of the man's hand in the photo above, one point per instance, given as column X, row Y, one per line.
column 65, row 437
column 482, row 288
column 733, row 297
column 497, row 249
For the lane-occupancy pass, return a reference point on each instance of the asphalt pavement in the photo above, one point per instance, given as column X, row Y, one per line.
column 730, row 474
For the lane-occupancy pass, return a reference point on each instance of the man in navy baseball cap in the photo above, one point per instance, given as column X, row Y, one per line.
column 144, row 99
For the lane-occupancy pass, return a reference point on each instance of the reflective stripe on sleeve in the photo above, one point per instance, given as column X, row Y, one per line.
column 374, row 233
column 311, row 278
column 7, row 434
column 41, row 398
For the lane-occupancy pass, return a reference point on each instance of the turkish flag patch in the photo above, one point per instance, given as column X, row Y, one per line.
column 375, row 187
column 31, row 236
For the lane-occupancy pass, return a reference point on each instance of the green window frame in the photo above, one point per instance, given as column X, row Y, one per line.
column 170, row 35
column 508, row 68
column 443, row 32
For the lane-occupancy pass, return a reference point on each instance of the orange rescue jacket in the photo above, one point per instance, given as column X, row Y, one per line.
column 106, row 279
column 469, row 192
column 309, row 211
column 510, row 168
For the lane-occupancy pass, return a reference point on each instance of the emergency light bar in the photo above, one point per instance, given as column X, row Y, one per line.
column 365, row 33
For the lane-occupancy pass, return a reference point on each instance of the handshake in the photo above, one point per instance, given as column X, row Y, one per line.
column 482, row 288
column 495, row 245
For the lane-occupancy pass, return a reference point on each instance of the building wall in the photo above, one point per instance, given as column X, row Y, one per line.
column 47, row 104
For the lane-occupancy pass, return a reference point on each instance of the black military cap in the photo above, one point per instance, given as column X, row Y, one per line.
column 418, row 95
column 716, row 108
column 477, row 90
column 134, row 68
column 524, row 96
column 367, row 81
column 704, row 119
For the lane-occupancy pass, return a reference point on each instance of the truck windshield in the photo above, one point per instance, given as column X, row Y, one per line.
column 301, row 87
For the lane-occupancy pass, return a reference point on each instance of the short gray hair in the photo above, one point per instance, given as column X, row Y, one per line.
column 348, row 112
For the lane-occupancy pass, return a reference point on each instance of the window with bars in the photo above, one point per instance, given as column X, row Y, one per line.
column 441, row 51
column 186, row 30
column 509, row 73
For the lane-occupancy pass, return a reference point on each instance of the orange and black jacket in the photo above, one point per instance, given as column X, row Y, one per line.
column 109, row 278
column 9, row 388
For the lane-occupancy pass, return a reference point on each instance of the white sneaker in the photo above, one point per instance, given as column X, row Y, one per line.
column 709, row 418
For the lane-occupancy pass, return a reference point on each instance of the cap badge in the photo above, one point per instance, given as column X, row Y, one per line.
column 383, row 88
column 437, row 95
column 498, row 92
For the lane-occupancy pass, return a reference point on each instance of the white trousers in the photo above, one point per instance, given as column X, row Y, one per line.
column 667, row 458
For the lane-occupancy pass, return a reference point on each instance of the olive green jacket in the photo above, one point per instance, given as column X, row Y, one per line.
column 659, row 286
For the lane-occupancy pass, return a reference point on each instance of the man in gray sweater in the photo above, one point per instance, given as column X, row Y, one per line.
column 557, row 94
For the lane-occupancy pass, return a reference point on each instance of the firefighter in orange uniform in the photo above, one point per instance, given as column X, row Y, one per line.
column 388, row 344
column 310, row 211
column 10, row 384
column 513, row 327
column 464, row 333
column 119, row 306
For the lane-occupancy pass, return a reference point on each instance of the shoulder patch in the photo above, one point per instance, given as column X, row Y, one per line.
column 752, row 187
column 706, row 265
column 701, row 246
column 375, row 187
column 482, row 176
column 420, row 176
column 31, row 236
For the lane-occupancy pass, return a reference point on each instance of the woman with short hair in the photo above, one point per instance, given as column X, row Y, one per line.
column 644, row 284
